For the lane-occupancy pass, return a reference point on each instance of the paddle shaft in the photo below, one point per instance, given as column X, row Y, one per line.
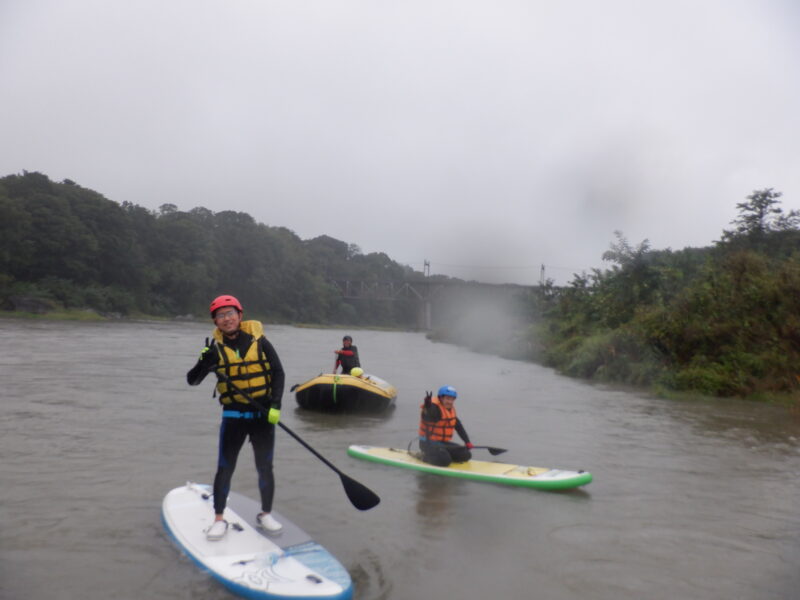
column 302, row 442
column 310, row 449
column 265, row 412
column 492, row 450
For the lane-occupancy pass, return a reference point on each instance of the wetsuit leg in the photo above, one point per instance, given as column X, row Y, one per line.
column 232, row 433
column 434, row 454
column 458, row 453
column 262, row 436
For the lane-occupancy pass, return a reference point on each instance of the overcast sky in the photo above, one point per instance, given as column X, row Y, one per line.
column 488, row 137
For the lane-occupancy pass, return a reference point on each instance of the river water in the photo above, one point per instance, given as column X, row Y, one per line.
column 691, row 500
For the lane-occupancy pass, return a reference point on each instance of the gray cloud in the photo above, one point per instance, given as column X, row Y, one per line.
column 487, row 138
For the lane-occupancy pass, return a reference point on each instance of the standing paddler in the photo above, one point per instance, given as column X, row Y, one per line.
column 249, row 362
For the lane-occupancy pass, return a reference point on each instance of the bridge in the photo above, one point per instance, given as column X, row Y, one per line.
column 425, row 293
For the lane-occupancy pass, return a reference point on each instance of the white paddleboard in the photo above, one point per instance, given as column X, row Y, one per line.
column 248, row 561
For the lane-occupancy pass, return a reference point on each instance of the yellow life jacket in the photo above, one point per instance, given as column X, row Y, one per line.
column 250, row 373
column 442, row 430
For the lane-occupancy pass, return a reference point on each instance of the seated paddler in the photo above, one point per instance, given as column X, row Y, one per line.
column 438, row 421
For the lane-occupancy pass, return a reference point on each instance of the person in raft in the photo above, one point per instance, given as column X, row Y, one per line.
column 347, row 356
column 240, row 351
column 438, row 421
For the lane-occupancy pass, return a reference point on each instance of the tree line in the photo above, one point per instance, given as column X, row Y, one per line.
column 70, row 246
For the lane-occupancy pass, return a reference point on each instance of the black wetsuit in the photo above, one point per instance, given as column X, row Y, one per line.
column 348, row 362
column 249, row 422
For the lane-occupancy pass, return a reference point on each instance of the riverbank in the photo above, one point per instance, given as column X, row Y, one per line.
column 519, row 347
column 92, row 315
column 58, row 315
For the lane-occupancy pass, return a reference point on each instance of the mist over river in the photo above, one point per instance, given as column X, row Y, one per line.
column 691, row 499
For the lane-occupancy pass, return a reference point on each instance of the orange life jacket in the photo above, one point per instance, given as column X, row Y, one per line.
column 442, row 430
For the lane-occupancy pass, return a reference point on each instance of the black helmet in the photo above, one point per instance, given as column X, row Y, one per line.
column 347, row 338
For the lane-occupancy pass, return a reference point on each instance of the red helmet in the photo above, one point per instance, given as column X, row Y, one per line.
column 221, row 301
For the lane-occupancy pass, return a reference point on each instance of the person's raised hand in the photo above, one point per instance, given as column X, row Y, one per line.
column 208, row 355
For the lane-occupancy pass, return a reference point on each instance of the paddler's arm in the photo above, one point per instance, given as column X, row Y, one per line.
column 205, row 364
column 278, row 376
column 462, row 433
column 430, row 412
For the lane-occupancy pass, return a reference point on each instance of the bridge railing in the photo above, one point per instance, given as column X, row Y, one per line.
column 416, row 290
column 376, row 290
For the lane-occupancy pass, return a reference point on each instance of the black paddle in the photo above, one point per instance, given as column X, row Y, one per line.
column 492, row 450
column 360, row 495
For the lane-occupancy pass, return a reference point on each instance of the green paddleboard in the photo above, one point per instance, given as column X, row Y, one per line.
column 478, row 470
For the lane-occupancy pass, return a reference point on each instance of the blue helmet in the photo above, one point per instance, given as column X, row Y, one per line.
column 447, row 390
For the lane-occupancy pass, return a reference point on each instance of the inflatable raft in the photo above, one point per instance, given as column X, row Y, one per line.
column 330, row 392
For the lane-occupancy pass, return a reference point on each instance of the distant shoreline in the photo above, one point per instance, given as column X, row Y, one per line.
column 90, row 315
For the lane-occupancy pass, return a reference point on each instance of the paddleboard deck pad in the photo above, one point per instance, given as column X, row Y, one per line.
column 479, row 470
column 248, row 561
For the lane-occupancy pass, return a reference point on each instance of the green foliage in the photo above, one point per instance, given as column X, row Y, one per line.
column 720, row 321
column 738, row 322
column 612, row 355
column 72, row 246
column 761, row 215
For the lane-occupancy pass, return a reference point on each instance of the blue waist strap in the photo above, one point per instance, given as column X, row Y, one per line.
column 235, row 414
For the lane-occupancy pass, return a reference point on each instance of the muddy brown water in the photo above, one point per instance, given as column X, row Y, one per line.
column 691, row 500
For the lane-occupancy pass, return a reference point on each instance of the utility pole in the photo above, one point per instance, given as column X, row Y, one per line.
column 426, row 303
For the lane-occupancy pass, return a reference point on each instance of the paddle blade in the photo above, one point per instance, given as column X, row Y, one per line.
column 360, row 495
column 496, row 451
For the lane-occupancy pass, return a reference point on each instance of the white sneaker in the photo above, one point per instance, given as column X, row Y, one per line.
column 268, row 523
column 217, row 531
